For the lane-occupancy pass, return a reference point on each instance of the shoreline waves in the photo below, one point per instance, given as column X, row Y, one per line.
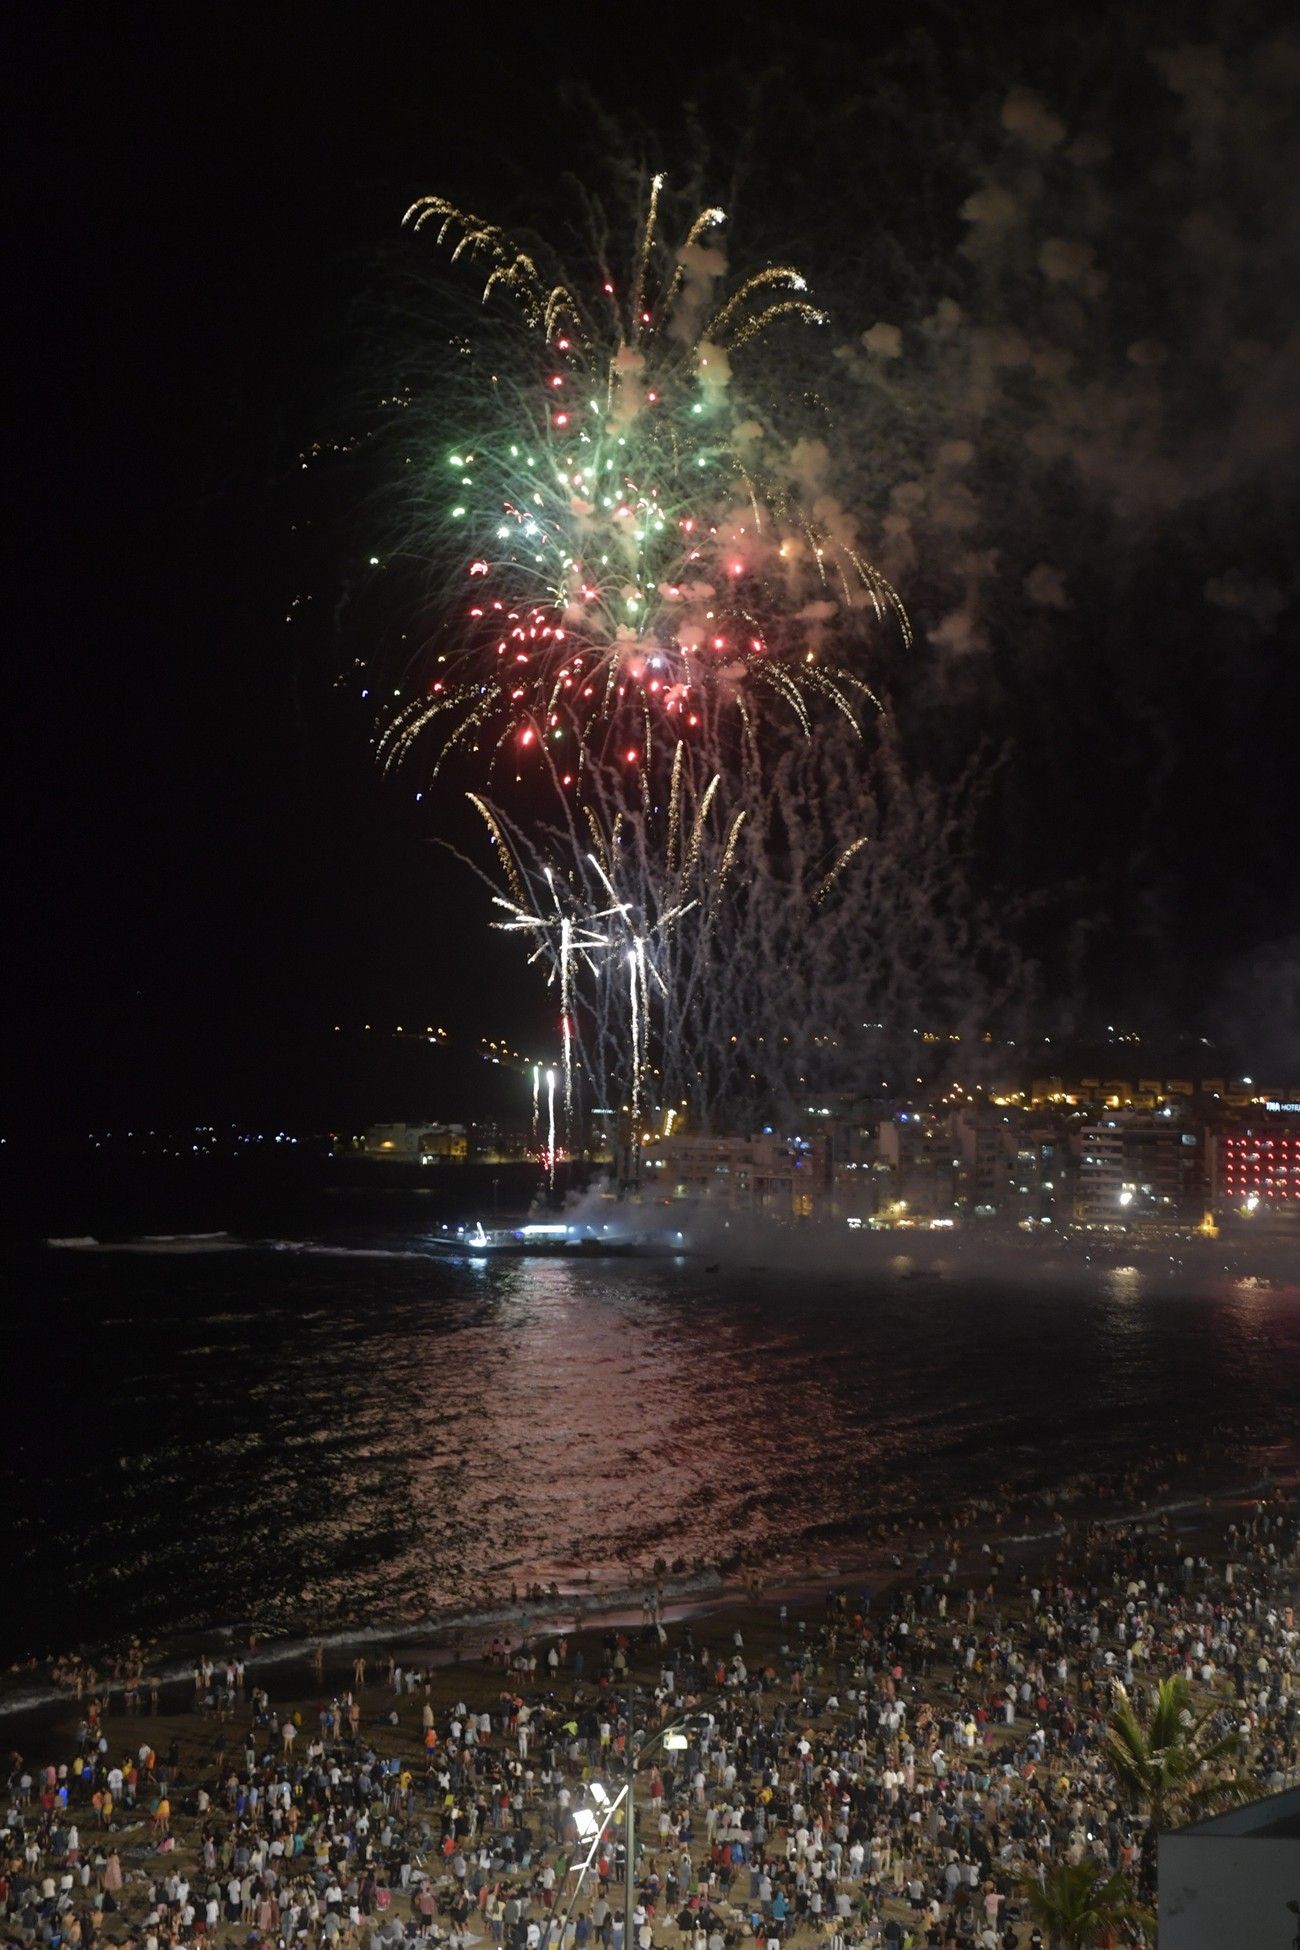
column 597, row 1606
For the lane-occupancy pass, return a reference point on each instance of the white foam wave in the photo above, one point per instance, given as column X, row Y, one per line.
column 554, row 1615
column 181, row 1238
column 310, row 1249
column 179, row 1242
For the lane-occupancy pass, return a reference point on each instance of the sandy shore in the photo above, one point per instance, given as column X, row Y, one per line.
column 1033, row 1535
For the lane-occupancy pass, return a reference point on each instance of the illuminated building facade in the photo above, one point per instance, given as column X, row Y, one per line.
column 1015, row 1168
column 1255, row 1171
column 774, row 1176
column 1139, row 1172
column 416, row 1144
column 918, row 1150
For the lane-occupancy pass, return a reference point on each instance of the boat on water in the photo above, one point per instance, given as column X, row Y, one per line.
column 535, row 1239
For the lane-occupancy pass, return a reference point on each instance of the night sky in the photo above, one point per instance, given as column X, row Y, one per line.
column 1087, row 491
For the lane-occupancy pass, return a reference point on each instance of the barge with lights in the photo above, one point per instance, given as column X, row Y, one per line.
column 536, row 1239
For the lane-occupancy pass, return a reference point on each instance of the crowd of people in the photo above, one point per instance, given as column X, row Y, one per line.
column 894, row 1772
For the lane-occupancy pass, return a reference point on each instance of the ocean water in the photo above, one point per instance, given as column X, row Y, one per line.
column 346, row 1432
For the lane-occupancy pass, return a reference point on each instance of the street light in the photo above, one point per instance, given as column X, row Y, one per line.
column 674, row 1741
column 590, row 1827
column 591, row 1824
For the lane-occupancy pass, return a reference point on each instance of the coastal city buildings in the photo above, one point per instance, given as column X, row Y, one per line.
column 1086, row 1154
column 1104, row 1156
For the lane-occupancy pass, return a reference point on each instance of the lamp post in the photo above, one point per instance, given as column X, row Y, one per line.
column 591, row 1826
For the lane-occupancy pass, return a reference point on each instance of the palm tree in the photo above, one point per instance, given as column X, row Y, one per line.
column 1081, row 1904
column 1166, row 1764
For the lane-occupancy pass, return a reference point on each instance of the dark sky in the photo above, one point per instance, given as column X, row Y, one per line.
column 208, row 876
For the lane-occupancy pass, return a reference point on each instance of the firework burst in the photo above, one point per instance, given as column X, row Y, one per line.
column 635, row 555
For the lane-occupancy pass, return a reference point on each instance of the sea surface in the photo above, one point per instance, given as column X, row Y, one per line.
column 337, row 1431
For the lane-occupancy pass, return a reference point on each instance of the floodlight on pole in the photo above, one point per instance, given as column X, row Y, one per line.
column 591, row 1825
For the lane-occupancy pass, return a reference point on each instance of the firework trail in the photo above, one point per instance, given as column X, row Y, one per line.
column 561, row 935
column 550, row 1129
column 603, row 904
column 821, row 937
column 631, row 558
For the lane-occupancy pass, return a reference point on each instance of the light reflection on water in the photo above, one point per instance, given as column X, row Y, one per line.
column 276, row 1437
